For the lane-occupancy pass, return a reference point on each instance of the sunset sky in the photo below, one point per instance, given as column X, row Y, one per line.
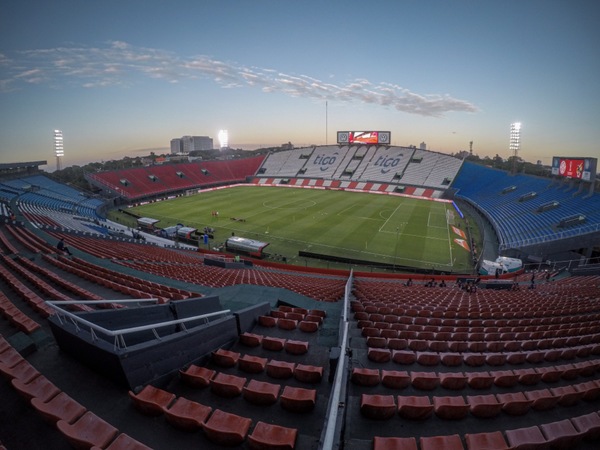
column 125, row 77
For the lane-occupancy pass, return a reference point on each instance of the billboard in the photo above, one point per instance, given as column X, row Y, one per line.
column 579, row 168
column 364, row 137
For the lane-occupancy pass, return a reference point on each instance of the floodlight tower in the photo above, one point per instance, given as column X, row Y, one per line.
column 58, row 147
column 223, row 139
column 515, row 142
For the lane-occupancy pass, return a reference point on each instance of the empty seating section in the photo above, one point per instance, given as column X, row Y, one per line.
column 429, row 367
column 517, row 222
column 179, row 265
column 324, row 287
column 261, row 370
column 80, row 427
column 486, row 359
column 284, row 164
column 377, row 168
column 48, row 195
column 159, row 180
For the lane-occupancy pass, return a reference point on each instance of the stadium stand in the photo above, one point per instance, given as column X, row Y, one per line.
column 520, row 223
column 152, row 181
column 428, row 367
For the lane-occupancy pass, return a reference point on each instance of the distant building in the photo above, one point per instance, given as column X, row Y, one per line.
column 422, row 146
column 187, row 144
column 176, row 146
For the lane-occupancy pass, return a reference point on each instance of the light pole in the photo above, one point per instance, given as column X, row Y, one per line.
column 58, row 147
column 515, row 143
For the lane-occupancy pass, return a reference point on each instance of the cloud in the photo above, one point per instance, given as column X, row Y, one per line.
column 121, row 64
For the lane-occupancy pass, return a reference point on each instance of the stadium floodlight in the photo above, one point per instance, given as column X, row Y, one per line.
column 223, row 139
column 59, row 149
column 515, row 142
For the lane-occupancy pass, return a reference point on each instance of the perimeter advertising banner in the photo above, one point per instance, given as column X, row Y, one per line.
column 364, row 137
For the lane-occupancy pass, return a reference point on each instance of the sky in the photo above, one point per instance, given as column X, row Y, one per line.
column 122, row 78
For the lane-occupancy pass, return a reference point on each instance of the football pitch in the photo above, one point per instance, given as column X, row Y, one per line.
column 394, row 230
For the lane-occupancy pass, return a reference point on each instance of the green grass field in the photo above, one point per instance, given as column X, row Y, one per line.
column 382, row 228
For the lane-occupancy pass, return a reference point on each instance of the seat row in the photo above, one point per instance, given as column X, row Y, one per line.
column 564, row 335
column 380, row 407
column 395, row 379
column 486, row 324
column 474, row 311
column 220, row 427
column 561, row 434
column 30, row 297
column 17, row 317
column 478, row 359
column 75, row 288
column 308, row 325
column 579, row 345
column 82, row 428
column 228, row 358
column 199, row 376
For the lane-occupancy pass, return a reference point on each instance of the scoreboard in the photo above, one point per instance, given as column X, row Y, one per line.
column 364, row 137
column 579, row 168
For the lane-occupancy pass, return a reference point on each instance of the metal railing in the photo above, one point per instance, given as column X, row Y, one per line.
column 119, row 335
column 335, row 405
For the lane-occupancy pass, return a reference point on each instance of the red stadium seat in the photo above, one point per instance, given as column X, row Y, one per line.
column 225, row 358
column 226, row 429
column 567, row 395
column 296, row 347
column 280, row 369
column 452, row 442
column 250, row 339
column 542, row 399
column 61, row 407
column 39, row 387
column 186, row 414
column 124, row 442
column 480, row 380
column 405, row 357
column 453, row 380
column 484, row 405
column 424, row 380
column 273, row 343
column 272, row 437
column 151, row 400
column 365, row 377
column 226, row 385
column 394, row 379
column 378, row 407
column 514, row 403
column 486, row 441
column 526, row 438
column 561, row 434
column 88, row 431
column 197, row 376
column 450, row 408
column 252, row 364
column 308, row 374
column 298, row 399
column 394, row 443
column 414, row 407
column 379, row 355
column 261, row 393
column 588, row 425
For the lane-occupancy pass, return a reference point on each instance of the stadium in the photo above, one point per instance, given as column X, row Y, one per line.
column 350, row 296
